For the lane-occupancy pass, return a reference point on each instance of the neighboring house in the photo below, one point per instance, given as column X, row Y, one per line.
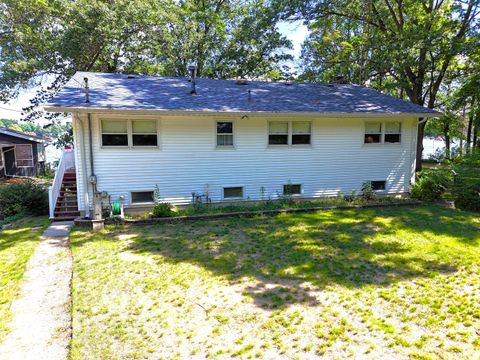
column 21, row 154
column 234, row 140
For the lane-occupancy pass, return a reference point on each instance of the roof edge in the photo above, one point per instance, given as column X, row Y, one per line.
column 104, row 110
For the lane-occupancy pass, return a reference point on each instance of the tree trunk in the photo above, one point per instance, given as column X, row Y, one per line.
column 469, row 127
column 475, row 142
column 420, row 133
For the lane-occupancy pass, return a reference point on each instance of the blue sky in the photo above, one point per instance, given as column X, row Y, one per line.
column 294, row 31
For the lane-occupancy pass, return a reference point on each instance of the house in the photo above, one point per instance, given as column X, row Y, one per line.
column 21, row 154
column 233, row 140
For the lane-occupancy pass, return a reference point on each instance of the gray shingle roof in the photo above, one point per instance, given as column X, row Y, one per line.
column 119, row 92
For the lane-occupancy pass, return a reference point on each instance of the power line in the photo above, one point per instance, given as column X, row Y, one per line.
column 4, row 108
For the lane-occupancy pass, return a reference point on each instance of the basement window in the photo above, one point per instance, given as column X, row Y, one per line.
column 144, row 133
column 114, row 133
column 378, row 185
column 224, row 134
column 142, row 197
column 292, row 189
column 235, row 192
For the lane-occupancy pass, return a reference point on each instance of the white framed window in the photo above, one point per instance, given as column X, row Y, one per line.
column 393, row 132
column 142, row 197
column 378, row 132
column 233, row 192
column 129, row 132
column 292, row 189
column 24, row 155
column 289, row 133
column 114, row 132
column 224, row 130
column 144, row 133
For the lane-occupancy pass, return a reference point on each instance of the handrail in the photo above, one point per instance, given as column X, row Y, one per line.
column 67, row 162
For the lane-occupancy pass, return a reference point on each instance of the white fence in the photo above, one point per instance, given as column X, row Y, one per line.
column 67, row 162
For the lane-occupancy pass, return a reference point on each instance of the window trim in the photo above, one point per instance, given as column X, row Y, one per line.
column 224, row 147
column 16, row 158
column 383, row 133
column 141, row 203
column 290, row 134
column 233, row 198
column 130, row 134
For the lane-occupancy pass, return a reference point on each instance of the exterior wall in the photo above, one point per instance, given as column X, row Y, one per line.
column 187, row 160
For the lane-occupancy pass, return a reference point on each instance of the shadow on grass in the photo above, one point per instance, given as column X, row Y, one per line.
column 290, row 255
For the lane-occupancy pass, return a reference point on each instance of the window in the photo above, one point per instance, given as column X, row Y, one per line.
column 378, row 132
column 233, row 192
column 114, row 133
column 301, row 133
column 142, row 197
column 144, row 133
column 378, row 185
column 292, row 189
column 392, row 132
column 131, row 133
column 224, row 133
column 278, row 133
column 24, row 155
column 373, row 132
column 289, row 133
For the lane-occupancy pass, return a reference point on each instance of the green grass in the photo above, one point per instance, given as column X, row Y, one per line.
column 371, row 283
column 17, row 244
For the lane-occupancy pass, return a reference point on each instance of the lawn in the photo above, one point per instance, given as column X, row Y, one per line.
column 372, row 283
column 17, row 244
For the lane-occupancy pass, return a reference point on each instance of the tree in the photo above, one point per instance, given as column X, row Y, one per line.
column 408, row 42
column 44, row 43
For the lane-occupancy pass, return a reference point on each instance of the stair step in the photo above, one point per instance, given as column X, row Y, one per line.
column 66, row 213
column 64, row 218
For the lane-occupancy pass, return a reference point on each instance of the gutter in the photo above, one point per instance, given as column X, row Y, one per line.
column 109, row 110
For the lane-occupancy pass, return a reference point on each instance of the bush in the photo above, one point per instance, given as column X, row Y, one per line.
column 23, row 198
column 430, row 185
column 466, row 184
column 368, row 194
column 163, row 209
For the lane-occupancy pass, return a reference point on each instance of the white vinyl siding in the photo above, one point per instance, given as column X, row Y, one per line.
column 336, row 161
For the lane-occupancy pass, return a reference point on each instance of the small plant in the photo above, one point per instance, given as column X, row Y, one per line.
column 368, row 194
column 263, row 191
column 156, row 194
column 350, row 198
column 163, row 209
column 466, row 184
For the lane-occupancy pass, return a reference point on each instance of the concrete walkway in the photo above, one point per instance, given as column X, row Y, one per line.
column 41, row 325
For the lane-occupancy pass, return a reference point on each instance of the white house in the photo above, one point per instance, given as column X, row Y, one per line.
column 232, row 140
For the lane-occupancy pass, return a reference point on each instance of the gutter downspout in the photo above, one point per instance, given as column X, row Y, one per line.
column 90, row 147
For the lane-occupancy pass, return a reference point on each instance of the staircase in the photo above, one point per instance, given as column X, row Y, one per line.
column 66, row 207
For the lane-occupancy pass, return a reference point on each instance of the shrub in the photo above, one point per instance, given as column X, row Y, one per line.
column 466, row 184
column 163, row 209
column 430, row 184
column 367, row 191
column 27, row 197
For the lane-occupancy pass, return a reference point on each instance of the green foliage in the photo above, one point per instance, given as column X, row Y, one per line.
column 23, row 198
column 431, row 184
column 368, row 194
column 466, row 184
column 163, row 210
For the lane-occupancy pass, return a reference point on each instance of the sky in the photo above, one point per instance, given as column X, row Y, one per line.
column 296, row 32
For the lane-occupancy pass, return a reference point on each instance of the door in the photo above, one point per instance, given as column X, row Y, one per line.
column 9, row 156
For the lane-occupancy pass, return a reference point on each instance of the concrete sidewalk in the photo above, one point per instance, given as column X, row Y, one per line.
column 41, row 324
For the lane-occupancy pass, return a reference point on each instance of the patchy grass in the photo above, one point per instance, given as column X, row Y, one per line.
column 392, row 283
column 17, row 244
